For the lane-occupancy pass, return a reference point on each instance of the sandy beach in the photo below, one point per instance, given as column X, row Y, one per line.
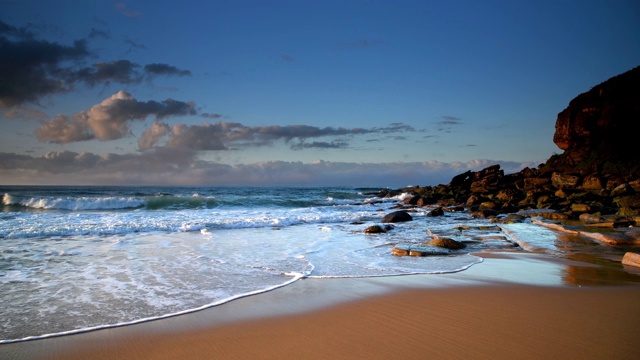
column 513, row 305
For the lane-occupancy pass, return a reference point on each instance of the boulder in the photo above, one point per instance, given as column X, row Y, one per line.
column 439, row 211
column 397, row 216
column 377, row 229
column 622, row 190
column 446, row 243
column 631, row 258
column 562, row 181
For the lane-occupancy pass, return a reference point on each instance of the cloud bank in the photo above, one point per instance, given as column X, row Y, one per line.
column 182, row 167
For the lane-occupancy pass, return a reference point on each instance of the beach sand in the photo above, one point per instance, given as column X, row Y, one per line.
column 516, row 305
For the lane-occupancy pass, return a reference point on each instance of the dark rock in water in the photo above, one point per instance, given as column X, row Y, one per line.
column 436, row 212
column 397, row 216
column 377, row 229
column 511, row 219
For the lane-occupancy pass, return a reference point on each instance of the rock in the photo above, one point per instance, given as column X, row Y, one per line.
column 631, row 258
column 472, row 200
column 439, row 211
column 510, row 219
column 508, row 195
column 485, row 214
column 597, row 129
column 446, row 243
column 592, row 218
column 397, row 216
column 401, row 250
column 631, row 201
column 418, row 250
column 377, row 229
column 461, row 180
column 622, row 190
column 581, row 208
column 488, row 205
column 554, row 216
column 532, row 183
column 564, row 181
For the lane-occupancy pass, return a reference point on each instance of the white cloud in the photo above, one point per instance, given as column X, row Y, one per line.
column 110, row 119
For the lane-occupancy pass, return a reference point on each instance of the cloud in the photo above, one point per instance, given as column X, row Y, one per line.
column 134, row 44
column 210, row 116
column 449, row 120
column 446, row 123
column 152, row 134
column 336, row 144
column 32, row 69
column 198, row 137
column 165, row 69
column 121, row 71
column 227, row 135
column 110, row 119
column 181, row 167
column 95, row 33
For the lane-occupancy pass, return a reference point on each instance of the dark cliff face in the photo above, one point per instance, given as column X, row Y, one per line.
column 598, row 130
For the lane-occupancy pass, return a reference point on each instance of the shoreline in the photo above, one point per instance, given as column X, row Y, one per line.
column 536, row 288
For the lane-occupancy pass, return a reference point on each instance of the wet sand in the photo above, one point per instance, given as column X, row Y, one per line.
column 513, row 305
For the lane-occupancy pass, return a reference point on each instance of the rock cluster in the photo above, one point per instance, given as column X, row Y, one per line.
column 490, row 192
column 597, row 175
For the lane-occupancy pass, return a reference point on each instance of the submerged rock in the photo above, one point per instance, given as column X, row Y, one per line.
column 418, row 250
column 377, row 229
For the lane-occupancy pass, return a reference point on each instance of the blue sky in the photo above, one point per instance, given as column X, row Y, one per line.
column 371, row 93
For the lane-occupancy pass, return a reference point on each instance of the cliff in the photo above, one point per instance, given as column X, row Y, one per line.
column 598, row 130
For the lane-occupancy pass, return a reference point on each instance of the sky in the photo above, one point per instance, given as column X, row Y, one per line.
column 302, row 93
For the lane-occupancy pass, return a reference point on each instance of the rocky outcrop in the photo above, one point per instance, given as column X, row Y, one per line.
column 597, row 131
column 598, row 173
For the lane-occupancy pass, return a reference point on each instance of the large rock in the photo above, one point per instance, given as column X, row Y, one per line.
column 632, row 259
column 397, row 216
column 446, row 243
column 597, row 129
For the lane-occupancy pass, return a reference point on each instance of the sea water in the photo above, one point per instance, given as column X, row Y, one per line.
column 79, row 258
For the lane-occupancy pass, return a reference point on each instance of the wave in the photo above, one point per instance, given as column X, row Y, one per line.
column 72, row 203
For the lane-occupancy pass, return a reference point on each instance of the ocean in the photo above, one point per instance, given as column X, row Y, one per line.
column 74, row 258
